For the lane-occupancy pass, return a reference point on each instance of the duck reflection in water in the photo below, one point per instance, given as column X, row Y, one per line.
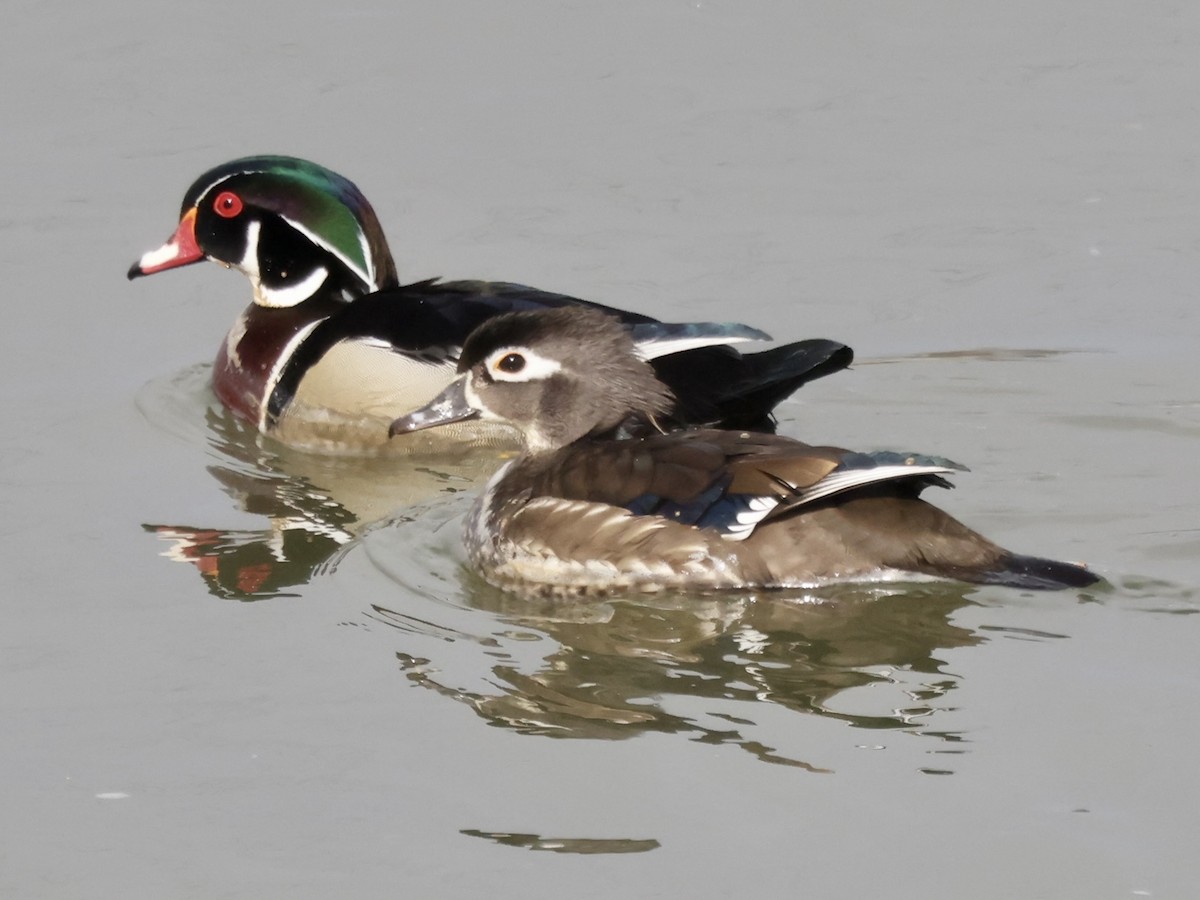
column 611, row 669
column 623, row 667
column 313, row 507
column 871, row 656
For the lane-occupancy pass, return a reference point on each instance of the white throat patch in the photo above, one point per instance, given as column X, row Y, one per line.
column 275, row 298
column 293, row 294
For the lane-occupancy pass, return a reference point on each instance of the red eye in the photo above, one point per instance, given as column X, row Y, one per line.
column 227, row 204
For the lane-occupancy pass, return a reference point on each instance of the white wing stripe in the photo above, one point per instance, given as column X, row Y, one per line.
column 837, row 482
column 759, row 508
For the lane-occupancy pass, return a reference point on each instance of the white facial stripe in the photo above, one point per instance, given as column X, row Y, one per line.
column 536, row 368
column 277, row 298
column 366, row 252
column 204, row 193
column 248, row 265
column 367, row 277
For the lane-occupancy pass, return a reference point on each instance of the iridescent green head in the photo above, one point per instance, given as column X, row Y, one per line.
column 291, row 226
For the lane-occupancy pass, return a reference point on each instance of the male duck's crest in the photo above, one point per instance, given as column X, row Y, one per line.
column 605, row 500
column 291, row 226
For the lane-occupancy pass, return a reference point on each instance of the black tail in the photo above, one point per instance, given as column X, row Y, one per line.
column 1033, row 573
column 720, row 386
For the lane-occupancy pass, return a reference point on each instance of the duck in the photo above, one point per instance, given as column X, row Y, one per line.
column 333, row 346
column 605, row 499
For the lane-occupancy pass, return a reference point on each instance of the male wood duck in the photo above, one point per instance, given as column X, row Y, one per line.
column 603, row 500
column 333, row 345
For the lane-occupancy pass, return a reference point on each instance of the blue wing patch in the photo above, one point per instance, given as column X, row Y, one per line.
column 733, row 516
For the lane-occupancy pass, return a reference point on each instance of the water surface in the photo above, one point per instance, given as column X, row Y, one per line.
column 233, row 670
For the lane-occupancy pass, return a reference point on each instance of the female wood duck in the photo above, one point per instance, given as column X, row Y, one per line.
column 333, row 345
column 603, row 500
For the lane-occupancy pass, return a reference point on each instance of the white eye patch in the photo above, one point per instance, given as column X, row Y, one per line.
column 518, row 364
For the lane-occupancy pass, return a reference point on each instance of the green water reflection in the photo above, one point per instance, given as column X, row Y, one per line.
column 613, row 669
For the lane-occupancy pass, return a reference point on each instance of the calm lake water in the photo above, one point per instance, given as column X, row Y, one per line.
column 232, row 670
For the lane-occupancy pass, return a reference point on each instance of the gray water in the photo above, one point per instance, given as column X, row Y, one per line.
column 995, row 204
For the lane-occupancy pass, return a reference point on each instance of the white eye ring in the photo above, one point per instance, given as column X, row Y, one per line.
column 518, row 364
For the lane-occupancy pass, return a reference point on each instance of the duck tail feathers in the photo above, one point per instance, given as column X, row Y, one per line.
column 1034, row 573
